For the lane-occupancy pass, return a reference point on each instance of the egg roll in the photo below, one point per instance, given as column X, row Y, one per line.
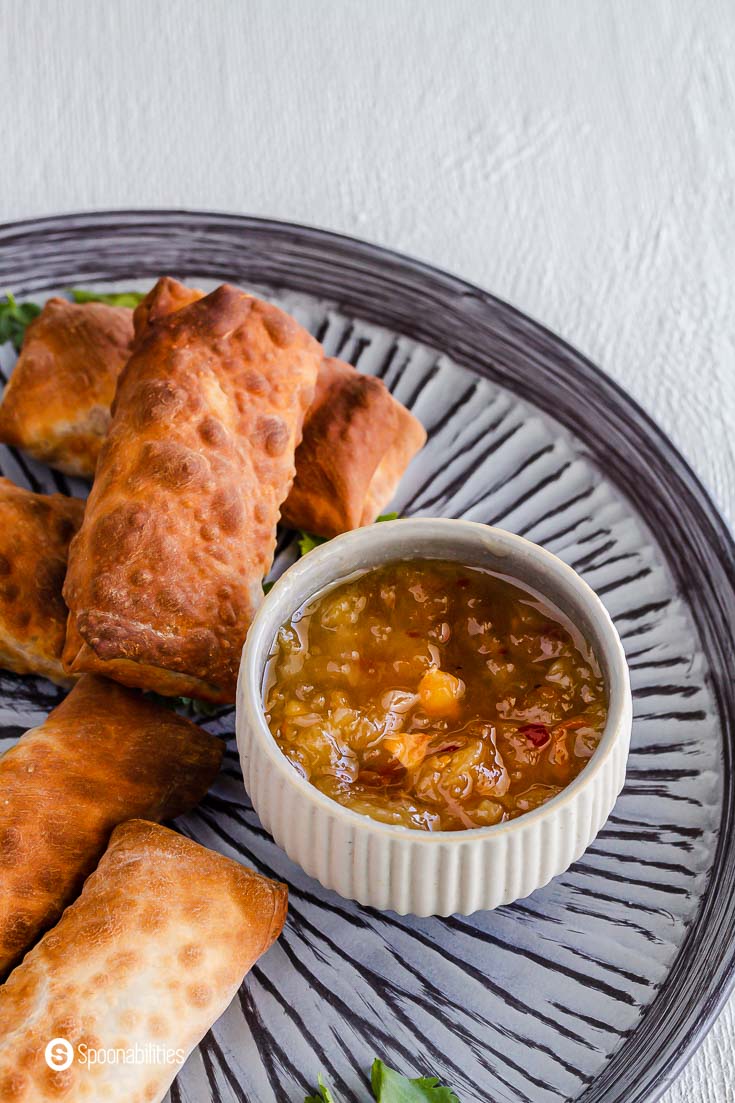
column 104, row 755
column 357, row 441
column 56, row 405
column 35, row 531
column 166, row 572
column 143, row 963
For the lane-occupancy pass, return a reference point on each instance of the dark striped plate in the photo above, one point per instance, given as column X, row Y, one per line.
column 599, row 986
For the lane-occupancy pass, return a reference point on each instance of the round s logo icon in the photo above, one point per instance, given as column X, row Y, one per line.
column 59, row 1054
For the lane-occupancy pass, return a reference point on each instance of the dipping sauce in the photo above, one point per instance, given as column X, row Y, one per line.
column 434, row 695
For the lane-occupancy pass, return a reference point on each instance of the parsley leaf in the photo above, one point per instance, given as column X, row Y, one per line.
column 112, row 298
column 307, row 541
column 390, row 1087
column 323, row 1095
column 14, row 317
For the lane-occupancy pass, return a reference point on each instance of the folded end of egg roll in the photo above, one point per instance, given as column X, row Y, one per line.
column 166, row 296
column 150, row 955
column 56, row 405
column 99, row 642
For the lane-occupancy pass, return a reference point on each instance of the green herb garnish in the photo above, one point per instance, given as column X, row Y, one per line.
column 14, row 317
column 323, row 1095
column 390, row 1087
column 111, row 298
column 307, row 541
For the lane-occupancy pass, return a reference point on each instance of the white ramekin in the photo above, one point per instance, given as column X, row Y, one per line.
column 398, row 868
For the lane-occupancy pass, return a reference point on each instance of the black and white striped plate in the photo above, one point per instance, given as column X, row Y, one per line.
column 599, row 986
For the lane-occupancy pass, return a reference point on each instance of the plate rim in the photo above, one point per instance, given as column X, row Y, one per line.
column 671, row 1054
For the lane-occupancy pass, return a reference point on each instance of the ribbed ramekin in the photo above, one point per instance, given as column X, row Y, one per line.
column 399, row 868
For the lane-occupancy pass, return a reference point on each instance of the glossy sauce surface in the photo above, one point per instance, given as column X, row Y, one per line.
column 433, row 695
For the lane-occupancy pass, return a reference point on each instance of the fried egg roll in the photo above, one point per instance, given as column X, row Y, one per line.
column 35, row 531
column 104, row 755
column 144, row 962
column 56, row 405
column 358, row 439
column 180, row 527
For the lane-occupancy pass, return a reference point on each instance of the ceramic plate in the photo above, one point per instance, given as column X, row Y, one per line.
column 597, row 987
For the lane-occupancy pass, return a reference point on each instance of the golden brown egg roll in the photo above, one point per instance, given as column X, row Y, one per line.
column 35, row 530
column 358, row 439
column 56, row 405
column 104, row 755
column 180, row 526
column 144, row 962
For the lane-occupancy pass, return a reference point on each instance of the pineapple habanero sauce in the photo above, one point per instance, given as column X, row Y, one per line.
column 434, row 695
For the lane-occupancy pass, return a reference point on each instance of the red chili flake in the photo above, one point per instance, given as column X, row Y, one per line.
column 412, row 634
column 537, row 734
column 463, row 583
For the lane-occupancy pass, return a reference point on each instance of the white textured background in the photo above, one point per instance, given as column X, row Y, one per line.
column 577, row 158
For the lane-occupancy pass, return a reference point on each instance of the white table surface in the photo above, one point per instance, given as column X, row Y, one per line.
column 577, row 158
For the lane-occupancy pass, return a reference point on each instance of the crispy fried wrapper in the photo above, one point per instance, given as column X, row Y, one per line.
column 104, row 755
column 165, row 574
column 35, row 531
column 56, row 405
column 357, row 443
column 166, row 296
column 149, row 956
